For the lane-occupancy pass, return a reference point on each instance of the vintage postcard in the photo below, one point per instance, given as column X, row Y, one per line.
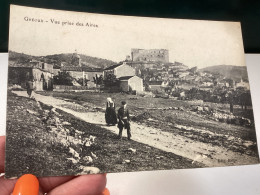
column 93, row 93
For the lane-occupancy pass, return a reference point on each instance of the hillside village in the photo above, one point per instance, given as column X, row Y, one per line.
column 204, row 115
column 144, row 71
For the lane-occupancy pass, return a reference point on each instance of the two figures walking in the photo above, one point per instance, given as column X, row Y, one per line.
column 122, row 116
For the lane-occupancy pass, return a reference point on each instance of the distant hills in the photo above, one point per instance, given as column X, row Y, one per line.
column 19, row 57
column 86, row 61
column 228, row 71
column 56, row 59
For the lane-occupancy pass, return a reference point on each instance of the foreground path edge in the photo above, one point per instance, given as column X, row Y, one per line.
column 169, row 142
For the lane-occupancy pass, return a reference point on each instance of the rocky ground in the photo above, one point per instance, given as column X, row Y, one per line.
column 169, row 125
column 53, row 142
column 204, row 122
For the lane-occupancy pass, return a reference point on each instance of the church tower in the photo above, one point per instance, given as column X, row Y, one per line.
column 75, row 59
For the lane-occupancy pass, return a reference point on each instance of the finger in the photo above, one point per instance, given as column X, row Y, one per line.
column 27, row 184
column 2, row 153
column 85, row 184
column 48, row 183
column 7, row 185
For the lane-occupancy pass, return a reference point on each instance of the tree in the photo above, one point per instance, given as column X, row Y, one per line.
column 63, row 78
column 98, row 80
column 80, row 81
column 111, row 80
column 146, row 86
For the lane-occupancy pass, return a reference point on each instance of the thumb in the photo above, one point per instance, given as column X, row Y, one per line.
column 27, row 184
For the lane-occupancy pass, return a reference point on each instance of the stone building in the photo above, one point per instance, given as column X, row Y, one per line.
column 243, row 84
column 40, row 72
column 150, row 55
column 85, row 73
column 156, row 86
column 128, row 81
column 131, row 83
column 119, row 70
column 78, row 72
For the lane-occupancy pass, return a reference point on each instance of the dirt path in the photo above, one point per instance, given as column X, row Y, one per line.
column 204, row 153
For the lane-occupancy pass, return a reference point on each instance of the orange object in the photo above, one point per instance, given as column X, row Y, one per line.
column 27, row 184
column 106, row 192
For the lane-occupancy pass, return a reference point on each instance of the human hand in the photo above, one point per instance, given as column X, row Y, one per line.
column 71, row 185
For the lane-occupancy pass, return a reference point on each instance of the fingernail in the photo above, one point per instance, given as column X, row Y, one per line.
column 28, row 184
column 105, row 192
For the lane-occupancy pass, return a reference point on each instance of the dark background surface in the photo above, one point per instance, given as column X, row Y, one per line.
column 245, row 11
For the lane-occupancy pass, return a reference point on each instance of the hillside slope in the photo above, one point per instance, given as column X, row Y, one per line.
column 56, row 59
column 231, row 72
column 87, row 61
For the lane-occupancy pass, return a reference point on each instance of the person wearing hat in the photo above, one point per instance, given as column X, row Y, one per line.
column 110, row 114
column 123, row 120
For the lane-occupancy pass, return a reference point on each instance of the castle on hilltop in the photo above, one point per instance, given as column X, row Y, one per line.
column 150, row 55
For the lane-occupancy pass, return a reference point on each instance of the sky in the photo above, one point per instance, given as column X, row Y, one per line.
column 192, row 42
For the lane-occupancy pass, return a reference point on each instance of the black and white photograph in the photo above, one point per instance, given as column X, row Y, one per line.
column 94, row 93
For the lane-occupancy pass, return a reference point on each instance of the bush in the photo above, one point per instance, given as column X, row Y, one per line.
column 63, row 78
